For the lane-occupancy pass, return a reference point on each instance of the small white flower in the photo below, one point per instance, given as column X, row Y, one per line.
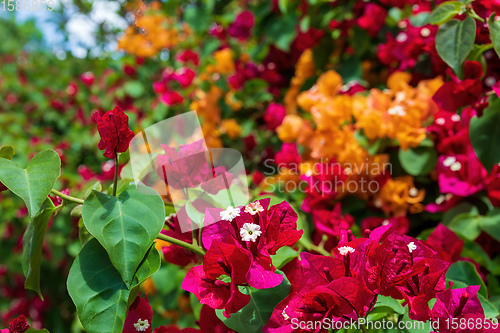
column 385, row 222
column 402, row 24
column 250, row 232
column 456, row 166
column 413, row 192
column 230, row 213
column 455, row 118
column 377, row 203
column 440, row 199
column 449, row 161
column 283, row 313
column 412, row 247
column 170, row 217
column 401, row 37
column 141, row 325
column 490, row 81
column 425, row 32
column 440, row 121
column 309, row 173
column 397, row 110
column 344, row 250
column 254, row 208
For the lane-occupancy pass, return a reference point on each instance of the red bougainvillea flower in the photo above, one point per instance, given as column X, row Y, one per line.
column 330, row 223
column 457, row 93
column 87, row 78
column 274, row 115
column 188, row 56
column 139, row 316
column 184, row 76
column 260, row 232
column 175, row 329
column 322, row 185
column 401, row 224
column 242, row 25
column 454, row 304
column 18, row 325
column 288, row 156
column 321, row 291
column 171, row 98
column 373, row 19
column 206, row 281
column 114, row 131
column 446, row 243
column 185, row 167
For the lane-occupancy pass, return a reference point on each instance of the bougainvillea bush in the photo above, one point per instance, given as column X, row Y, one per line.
column 370, row 135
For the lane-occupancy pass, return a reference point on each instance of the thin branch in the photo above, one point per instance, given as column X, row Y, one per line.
column 115, row 182
column 185, row 245
column 67, row 197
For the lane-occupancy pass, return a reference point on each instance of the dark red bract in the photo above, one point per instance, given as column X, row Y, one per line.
column 114, row 131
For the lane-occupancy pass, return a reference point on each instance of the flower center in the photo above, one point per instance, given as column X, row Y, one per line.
column 345, row 250
column 254, row 208
column 230, row 213
column 412, row 247
column 250, row 232
column 141, row 325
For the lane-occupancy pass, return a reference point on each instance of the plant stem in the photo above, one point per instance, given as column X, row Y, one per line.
column 311, row 247
column 185, row 245
column 115, row 182
column 67, row 197
column 363, row 328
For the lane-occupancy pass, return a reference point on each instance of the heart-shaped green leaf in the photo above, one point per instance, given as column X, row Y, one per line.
column 485, row 136
column 7, row 152
column 32, row 246
column 418, row 161
column 98, row 291
column 445, row 12
column 454, row 41
column 494, row 27
column 126, row 225
column 34, row 183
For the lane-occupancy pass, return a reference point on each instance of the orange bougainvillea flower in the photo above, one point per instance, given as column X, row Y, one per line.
column 290, row 128
column 398, row 195
column 231, row 128
column 224, row 61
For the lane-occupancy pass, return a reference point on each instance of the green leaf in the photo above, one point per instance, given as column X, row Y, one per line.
column 282, row 31
column 283, row 256
column 32, row 246
column 389, row 305
column 484, row 135
column 98, row 291
column 445, row 12
column 466, row 225
column 494, row 27
column 491, row 224
column 134, row 88
column 32, row 330
column 7, row 152
column 454, row 41
column 126, row 225
column 34, row 183
column 490, row 310
column 418, row 161
column 466, row 272
column 257, row 312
